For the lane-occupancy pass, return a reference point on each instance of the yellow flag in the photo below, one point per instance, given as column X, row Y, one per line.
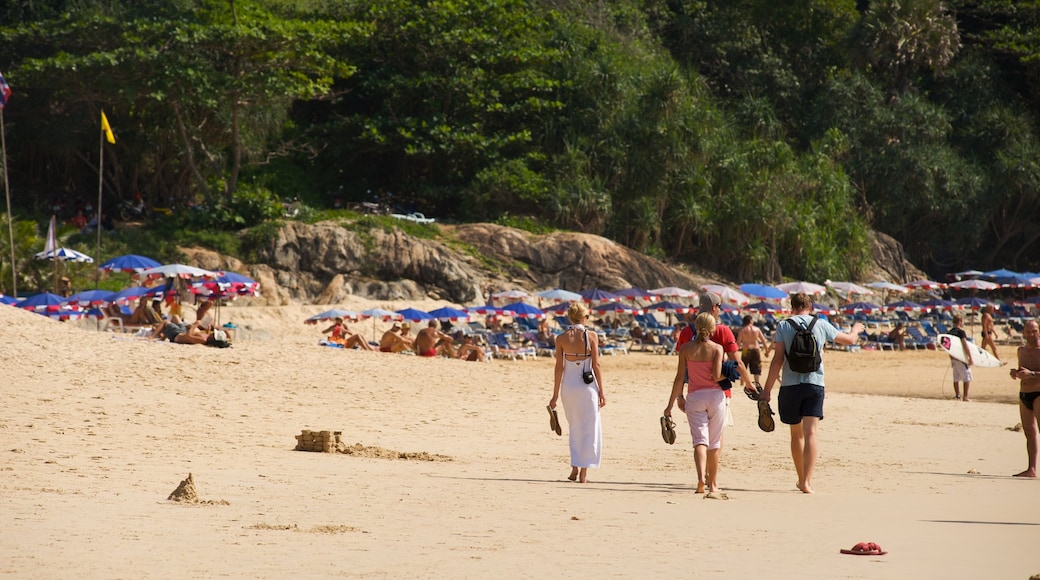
column 107, row 129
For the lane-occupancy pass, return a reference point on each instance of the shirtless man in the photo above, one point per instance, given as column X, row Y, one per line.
column 750, row 339
column 1028, row 372
column 989, row 331
column 471, row 351
column 396, row 339
column 430, row 341
column 174, row 330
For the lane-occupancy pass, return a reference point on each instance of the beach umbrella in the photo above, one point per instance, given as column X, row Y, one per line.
column 1033, row 301
column 940, row 304
column 129, row 263
column 904, row 306
column 484, row 310
column 523, row 310
column 673, row 292
column 974, row 284
column 450, row 314
column 597, row 295
column 332, row 315
column 850, row 288
column 864, row 307
column 225, row 285
column 509, row 295
column 763, row 291
column 824, row 309
column 965, row 274
column 381, row 314
column 888, row 287
column 669, row 307
column 43, row 302
column 616, row 308
column 413, row 315
column 1000, row 273
column 925, row 285
column 763, row 307
column 127, row 295
column 973, row 303
column 9, row 300
column 635, row 293
column 558, row 295
column 727, row 294
column 90, row 298
column 803, row 287
column 64, row 255
column 560, row 308
column 182, row 271
column 1017, row 281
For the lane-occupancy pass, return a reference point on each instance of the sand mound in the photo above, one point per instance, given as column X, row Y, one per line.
column 359, row 450
column 185, row 493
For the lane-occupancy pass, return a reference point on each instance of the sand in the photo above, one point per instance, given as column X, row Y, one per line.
column 456, row 474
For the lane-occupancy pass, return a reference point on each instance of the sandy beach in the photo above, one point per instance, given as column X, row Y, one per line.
column 97, row 429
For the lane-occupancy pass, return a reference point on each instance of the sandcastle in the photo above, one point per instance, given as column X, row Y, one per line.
column 319, row 441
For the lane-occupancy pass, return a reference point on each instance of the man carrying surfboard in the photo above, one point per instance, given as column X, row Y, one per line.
column 961, row 370
column 1028, row 372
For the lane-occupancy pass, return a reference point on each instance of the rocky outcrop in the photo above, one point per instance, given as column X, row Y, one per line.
column 325, row 262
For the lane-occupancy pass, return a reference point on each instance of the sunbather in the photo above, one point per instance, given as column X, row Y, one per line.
column 430, row 341
column 174, row 330
column 471, row 351
column 343, row 335
column 396, row 339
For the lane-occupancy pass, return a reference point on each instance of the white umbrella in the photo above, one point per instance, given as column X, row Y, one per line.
column 65, row 255
column 803, row 288
column 925, row 285
column 673, row 292
column 727, row 294
column 974, row 284
column 888, row 286
column 509, row 295
column 850, row 288
column 175, row 271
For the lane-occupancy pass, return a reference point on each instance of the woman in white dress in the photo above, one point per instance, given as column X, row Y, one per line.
column 577, row 358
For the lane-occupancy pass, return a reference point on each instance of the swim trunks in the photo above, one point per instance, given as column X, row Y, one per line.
column 752, row 359
column 386, row 349
column 1029, row 398
column 431, row 352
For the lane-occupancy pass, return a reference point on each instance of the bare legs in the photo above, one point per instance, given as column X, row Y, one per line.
column 707, row 463
column 578, row 474
column 803, row 451
column 965, row 398
column 1030, row 420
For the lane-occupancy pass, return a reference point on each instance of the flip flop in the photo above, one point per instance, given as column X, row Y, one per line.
column 668, row 430
column 554, row 421
column 753, row 393
column 765, row 416
column 865, row 549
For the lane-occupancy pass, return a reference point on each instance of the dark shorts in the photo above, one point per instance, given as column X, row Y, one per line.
column 1029, row 398
column 797, row 401
column 752, row 359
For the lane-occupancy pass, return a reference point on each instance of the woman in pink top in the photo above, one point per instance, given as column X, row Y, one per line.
column 700, row 365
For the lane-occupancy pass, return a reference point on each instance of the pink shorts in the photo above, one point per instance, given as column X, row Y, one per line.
column 706, row 413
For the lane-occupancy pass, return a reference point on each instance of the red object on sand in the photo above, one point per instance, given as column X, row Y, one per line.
column 865, row 549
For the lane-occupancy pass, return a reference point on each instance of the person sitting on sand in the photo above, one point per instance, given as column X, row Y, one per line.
column 396, row 339
column 431, row 341
column 174, row 330
column 470, row 350
column 1028, row 372
column 203, row 316
column 343, row 335
column 544, row 334
column 142, row 315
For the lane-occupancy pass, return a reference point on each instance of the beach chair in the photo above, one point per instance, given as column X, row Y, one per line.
column 918, row 338
column 500, row 347
column 563, row 321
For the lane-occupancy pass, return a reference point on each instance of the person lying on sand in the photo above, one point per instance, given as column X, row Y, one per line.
column 174, row 330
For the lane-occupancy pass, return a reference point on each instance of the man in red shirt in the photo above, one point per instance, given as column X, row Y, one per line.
column 723, row 336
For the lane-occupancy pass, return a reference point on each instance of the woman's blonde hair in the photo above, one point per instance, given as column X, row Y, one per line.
column 705, row 325
column 577, row 312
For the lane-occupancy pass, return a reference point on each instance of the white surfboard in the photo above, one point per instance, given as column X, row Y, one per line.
column 980, row 358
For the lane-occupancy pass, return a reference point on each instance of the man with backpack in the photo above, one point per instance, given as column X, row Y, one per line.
column 798, row 346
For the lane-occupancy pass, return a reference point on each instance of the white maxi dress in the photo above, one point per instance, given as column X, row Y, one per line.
column 581, row 407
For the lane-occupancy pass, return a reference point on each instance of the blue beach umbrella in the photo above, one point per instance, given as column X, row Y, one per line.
column 414, row 315
column 1016, row 281
column 560, row 308
column 635, row 293
column 669, row 307
column 523, row 310
column 450, row 314
column 973, row 303
column 8, row 300
column 129, row 263
column 484, row 310
column 597, row 295
column 824, row 309
column 940, row 304
column 763, row 291
column 90, row 298
column 42, row 302
column 1001, row 273
column 763, row 307
column 865, row 307
column 904, row 306
column 616, row 308
column 134, row 292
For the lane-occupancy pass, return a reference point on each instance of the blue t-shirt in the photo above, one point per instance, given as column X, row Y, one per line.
column 824, row 332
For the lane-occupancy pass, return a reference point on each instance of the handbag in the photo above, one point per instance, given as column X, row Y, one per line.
column 588, row 376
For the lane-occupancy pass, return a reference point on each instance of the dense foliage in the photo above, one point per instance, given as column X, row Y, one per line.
column 757, row 138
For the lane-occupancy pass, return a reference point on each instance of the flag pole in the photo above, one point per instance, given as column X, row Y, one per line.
column 10, row 217
column 101, row 181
